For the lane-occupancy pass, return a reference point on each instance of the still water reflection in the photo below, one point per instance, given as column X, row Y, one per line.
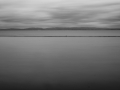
column 60, row 59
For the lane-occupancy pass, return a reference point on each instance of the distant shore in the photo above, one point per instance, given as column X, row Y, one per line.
column 59, row 36
column 64, row 28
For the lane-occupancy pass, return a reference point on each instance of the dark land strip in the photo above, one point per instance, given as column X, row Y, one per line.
column 59, row 36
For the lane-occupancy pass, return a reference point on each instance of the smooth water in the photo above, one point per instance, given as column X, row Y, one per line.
column 39, row 60
column 60, row 33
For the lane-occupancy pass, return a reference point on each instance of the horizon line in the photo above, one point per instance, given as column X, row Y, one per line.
column 59, row 36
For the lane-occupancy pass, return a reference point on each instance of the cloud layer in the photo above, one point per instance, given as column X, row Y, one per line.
column 59, row 13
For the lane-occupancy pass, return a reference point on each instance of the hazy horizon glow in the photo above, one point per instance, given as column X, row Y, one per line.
column 59, row 13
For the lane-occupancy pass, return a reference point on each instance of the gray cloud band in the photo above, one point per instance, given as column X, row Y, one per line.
column 105, row 15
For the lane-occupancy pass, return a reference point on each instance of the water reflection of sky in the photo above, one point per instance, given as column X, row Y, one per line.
column 59, row 59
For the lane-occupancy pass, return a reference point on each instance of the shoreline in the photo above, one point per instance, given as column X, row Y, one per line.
column 59, row 36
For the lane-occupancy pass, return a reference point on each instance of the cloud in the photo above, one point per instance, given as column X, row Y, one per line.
column 52, row 13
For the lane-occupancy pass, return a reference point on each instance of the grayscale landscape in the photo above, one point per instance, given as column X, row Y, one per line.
column 59, row 45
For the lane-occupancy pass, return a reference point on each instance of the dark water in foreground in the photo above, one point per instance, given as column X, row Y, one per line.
column 60, row 63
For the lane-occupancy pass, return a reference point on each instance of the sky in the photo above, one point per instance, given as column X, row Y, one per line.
column 59, row 13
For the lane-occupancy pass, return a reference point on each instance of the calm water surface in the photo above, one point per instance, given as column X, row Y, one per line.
column 60, row 33
column 59, row 59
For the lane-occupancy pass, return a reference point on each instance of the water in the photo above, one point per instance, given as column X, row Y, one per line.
column 60, row 63
column 60, row 33
column 55, row 60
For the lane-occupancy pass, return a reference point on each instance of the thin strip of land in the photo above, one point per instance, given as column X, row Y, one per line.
column 59, row 36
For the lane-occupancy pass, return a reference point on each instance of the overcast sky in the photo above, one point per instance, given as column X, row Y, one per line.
column 59, row 13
